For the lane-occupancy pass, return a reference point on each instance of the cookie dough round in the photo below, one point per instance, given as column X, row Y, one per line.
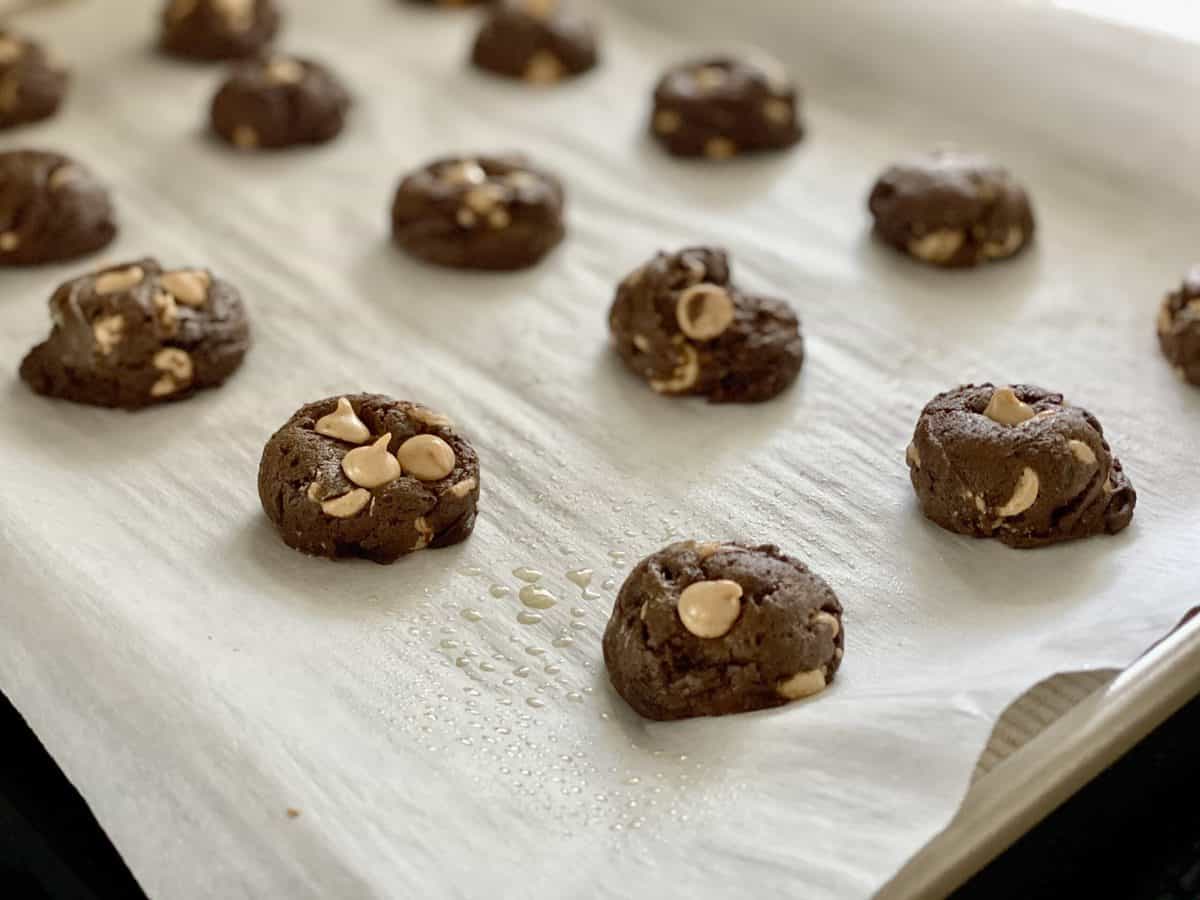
column 135, row 335
column 681, row 324
column 721, row 107
column 479, row 212
column 279, row 101
column 218, row 29
column 367, row 476
column 1179, row 327
column 32, row 82
column 707, row 629
column 54, row 209
column 1017, row 464
column 952, row 209
column 538, row 41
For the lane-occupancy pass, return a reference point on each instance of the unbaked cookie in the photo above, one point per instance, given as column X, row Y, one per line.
column 539, row 41
column 279, row 101
column 706, row 629
column 952, row 209
column 1179, row 327
column 722, row 107
column 51, row 209
column 134, row 335
column 367, row 476
column 681, row 324
column 32, row 82
column 1017, row 464
column 218, row 29
column 479, row 212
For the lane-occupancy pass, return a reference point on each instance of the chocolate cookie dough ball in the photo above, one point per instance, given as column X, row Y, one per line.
column 1179, row 327
column 32, row 82
column 479, row 212
column 279, row 101
column 1017, row 464
column 707, row 629
column 952, row 209
column 368, row 476
column 218, row 29
column 681, row 324
column 135, row 335
column 51, row 209
column 539, row 41
column 719, row 108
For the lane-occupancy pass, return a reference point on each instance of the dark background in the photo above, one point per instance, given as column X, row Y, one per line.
column 1133, row 833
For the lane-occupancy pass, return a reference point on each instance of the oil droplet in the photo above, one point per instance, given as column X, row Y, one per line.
column 448, row 644
column 471, row 571
column 486, row 666
column 499, row 590
column 563, row 641
column 608, row 584
column 578, row 625
column 522, row 671
column 535, row 702
column 617, row 556
column 462, row 662
column 633, row 779
column 580, row 577
column 471, row 615
column 575, row 696
column 552, row 669
column 525, row 617
column 578, row 612
column 372, row 599
column 589, row 594
column 525, row 573
column 537, row 597
column 535, row 651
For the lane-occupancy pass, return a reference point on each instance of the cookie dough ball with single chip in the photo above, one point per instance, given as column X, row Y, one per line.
column 54, row 209
column 681, row 324
column 539, row 41
column 32, row 82
column 135, row 335
column 1017, row 464
column 721, row 107
column 367, row 476
column 952, row 209
column 479, row 212
column 218, row 29
column 1179, row 327
column 707, row 629
column 279, row 101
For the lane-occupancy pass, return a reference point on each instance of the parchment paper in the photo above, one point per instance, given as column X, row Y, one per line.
column 196, row 679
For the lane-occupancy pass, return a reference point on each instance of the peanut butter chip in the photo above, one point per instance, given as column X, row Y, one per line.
column 830, row 621
column 1024, row 495
column 1009, row 245
column 285, row 71
column 720, row 148
column 119, row 280
column 544, row 68
column 704, row 311
column 464, row 172
column 245, row 137
column 708, row 609
column 9, row 241
column 108, row 331
column 424, row 533
column 1082, row 452
column 188, row 286
column 462, row 488
column 343, row 424
column 10, row 50
column 1007, row 409
column 706, row 549
column 913, row 455
column 239, row 14
column 430, row 418
column 802, row 684
column 541, row 9
column 347, row 505
column 176, row 366
column 426, row 457
column 372, row 466
column 61, row 176
column 484, row 198
column 167, row 313
column 709, row 78
column 684, row 376
column 667, row 121
column 937, row 246
column 776, row 111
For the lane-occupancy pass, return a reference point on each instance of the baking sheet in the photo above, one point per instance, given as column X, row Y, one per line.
column 197, row 680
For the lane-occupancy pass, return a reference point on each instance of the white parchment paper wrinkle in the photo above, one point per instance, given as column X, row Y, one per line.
column 196, row 679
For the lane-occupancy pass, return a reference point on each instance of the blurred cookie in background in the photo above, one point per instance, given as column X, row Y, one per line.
column 538, row 41
column 32, row 81
column 218, row 29
column 279, row 101
column 1179, row 327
